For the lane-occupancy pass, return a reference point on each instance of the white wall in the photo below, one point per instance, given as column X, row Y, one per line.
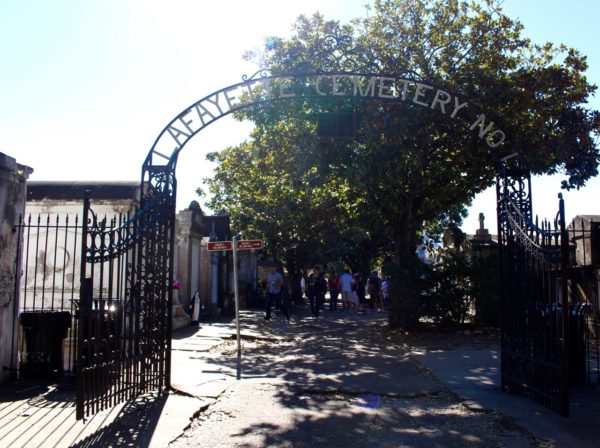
column 51, row 261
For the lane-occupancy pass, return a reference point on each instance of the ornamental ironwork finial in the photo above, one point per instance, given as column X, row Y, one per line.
column 339, row 52
column 260, row 73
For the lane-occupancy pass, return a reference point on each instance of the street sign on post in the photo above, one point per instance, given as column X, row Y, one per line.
column 236, row 245
column 249, row 244
column 220, row 245
column 237, row 308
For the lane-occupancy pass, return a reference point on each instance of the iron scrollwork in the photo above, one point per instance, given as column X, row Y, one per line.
column 261, row 73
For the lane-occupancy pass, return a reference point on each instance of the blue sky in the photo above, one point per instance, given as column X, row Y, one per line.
column 85, row 86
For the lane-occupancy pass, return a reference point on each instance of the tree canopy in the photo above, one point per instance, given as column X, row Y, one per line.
column 354, row 199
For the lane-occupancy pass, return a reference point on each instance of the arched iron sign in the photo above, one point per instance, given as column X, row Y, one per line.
column 125, row 310
column 263, row 87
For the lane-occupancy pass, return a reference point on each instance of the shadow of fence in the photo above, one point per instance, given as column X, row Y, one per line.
column 132, row 427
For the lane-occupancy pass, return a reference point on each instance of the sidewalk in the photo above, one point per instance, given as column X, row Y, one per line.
column 35, row 415
column 473, row 373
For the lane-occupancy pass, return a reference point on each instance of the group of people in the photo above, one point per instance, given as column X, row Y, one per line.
column 356, row 294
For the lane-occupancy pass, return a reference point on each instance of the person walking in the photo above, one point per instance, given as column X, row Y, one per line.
column 385, row 292
column 275, row 293
column 317, row 287
column 346, row 288
column 359, row 286
column 333, row 285
column 375, row 291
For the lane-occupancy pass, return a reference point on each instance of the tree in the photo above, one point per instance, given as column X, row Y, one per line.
column 274, row 190
column 408, row 165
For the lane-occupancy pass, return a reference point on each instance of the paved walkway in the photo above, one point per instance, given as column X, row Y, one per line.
column 340, row 381
column 472, row 371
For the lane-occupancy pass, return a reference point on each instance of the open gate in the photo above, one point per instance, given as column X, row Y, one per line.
column 125, row 305
column 127, row 266
column 534, row 293
column 122, row 320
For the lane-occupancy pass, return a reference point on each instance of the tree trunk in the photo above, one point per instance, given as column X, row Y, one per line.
column 405, row 244
column 406, row 299
column 405, row 247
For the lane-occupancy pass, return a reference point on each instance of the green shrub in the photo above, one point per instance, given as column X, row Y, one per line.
column 449, row 298
column 458, row 289
column 407, row 287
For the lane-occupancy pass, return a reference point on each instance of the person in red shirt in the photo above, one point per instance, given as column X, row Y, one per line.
column 333, row 284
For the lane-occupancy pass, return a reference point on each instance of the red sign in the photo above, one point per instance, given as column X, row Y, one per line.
column 249, row 244
column 220, row 245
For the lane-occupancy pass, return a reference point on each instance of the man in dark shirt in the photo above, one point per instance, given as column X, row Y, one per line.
column 317, row 287
column 375, row 291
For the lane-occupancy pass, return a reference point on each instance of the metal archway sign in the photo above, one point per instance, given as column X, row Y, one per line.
column 263, row 87
column 125, row 307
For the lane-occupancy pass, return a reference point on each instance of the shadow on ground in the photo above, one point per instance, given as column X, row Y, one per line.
column 34, row 414
column 133, row 426
column 342, row 382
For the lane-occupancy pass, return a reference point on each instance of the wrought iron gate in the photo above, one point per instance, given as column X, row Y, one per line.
column 534, row 291
column 125, row 306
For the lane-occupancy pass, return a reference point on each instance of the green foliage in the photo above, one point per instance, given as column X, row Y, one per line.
column 275, row 188
column 407, row 288
column 449, row 297
column 460, row 288
column 316, row 200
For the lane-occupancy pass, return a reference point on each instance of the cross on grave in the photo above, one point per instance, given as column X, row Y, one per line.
column 482, row 233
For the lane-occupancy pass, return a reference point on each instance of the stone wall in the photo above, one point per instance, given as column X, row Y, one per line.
column 206, row 276
column 188, row 240
column 583, row 233
column 13, row 179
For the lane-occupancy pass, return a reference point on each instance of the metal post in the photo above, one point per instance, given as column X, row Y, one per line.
column 85, row 296
column 171, row 277
column 237, row 307
column 16, row 300
column 564, row 243
column 500, row 197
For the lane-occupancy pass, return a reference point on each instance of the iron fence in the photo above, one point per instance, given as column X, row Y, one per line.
column 550, row 301
column 95, row 301
column 534, row 295
column 47, row 289
column 106, row 313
